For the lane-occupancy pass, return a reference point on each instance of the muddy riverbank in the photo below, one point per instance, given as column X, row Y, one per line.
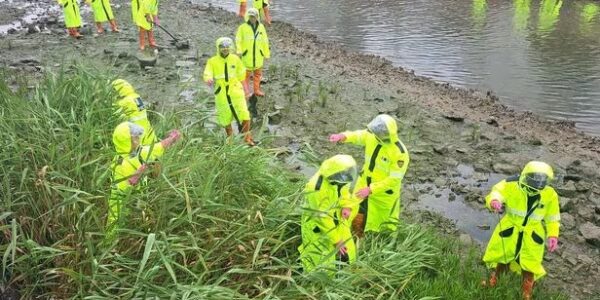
column 461, row 141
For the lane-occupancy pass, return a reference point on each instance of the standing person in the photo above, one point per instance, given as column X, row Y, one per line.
column 380, row 182
column 252, row 45
column 103, row 13
column 131, row 107
column 226, row 74
column 326, row 235
column 261, row 5
column 518, row 240
column 141, row 12
column 128, row 167
column 72, row 17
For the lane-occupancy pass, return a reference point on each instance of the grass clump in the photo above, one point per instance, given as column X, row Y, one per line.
column 220, row 222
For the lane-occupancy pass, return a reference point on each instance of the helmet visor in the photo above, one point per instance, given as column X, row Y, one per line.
column 343, row 177
column 378, row 128
column 536, row 181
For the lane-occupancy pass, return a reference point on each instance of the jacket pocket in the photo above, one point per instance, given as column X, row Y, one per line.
column 261, row 53
column 244, row 53
column 66, row 4
column 218, row 90
column 316, row 229
column 389, row 192
column 506, row 232
column 536, row 238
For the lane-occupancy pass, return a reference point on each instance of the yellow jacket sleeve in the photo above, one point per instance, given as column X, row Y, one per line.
column 208, row 71
column 496, row 193
column 239, row 40
column 241, row 70
column 152, row 152
column 357, row 137
column 552, row 217
column 266, row 48
column 346, row 198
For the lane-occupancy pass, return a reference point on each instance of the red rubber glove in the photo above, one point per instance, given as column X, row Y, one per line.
column 342, row 248
column 496, row 206
column 135, row 179
column 337, row 137
column 552, row 243
column 346, row 212
column 174, row 135
column 363, row 193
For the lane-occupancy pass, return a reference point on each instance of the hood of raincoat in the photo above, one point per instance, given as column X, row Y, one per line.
column 384, row 125
column 123, row 88
column 122, row 136
column 225, row 39
column 339, row 168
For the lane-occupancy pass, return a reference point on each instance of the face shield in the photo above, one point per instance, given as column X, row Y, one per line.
column 343, row 177
column 378, row 128
column 225, row 47
column 533, row 183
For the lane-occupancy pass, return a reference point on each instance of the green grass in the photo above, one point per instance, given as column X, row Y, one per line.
column 221, row 222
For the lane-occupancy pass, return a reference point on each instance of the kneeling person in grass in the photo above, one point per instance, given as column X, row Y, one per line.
column 326, row 235
column 128, row 167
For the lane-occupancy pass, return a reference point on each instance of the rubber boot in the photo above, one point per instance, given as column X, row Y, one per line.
column 76, row 33
column 267, row 15
column 247, row 80
column 99, row 28
column 242, row 12
column 70, row 31
column 256, row 78
column 151, row 39
column 113, row 26
column 142, row 36
column 358, row 225
column 527, row 286
column 500, row 268
column 247, row 134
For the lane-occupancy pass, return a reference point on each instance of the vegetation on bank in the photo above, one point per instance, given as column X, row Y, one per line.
column 221, row 221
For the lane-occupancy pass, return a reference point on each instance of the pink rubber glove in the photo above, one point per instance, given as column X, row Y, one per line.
column 363, row 193
column 552, row 243
column 210, row 83
column 496, row 205
column 156, row 21
column 346, row 211
column 174, row 135
column 133, row 180
column 342, row 248
column 337, row 137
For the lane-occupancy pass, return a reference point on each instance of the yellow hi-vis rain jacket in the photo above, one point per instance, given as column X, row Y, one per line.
column 124, row 166
column 252, row 44
column 228, row 74
column 131, row 108
column 71, row 11
column 384, row 168
column 102, row 10
column 322, row 224
column 520, row 236
column 139, row 10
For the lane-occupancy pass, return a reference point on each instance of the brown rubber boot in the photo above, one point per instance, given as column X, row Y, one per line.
column 493, row 281
column 113, row 26
column 358, row 225
column 242, row 12
column 267, row 15
column 256, row 79
column 247, row 80
column 527, row 286
column 151, row 39
column 76, row 33
column 99, row 28
column 247, row 134
column 229, row 130
column 142, row 36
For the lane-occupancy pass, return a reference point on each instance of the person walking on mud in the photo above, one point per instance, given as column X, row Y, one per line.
column 252, row 45
column 130, row 106
column 261, row 5
column 380, row 182
column 519, row 238
column 225, row 74
column 72, row 17
column 128, row 167
column 103, row 13
column 141, row 13
column 326, row 235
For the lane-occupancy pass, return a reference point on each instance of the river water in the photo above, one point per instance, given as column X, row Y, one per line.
column 538, row 55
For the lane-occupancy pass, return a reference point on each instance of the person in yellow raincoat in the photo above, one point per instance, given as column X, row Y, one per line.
column 261, row 5
column 128, row 167
column 326, row 235
column 131, row 107
column 380, row 182
column 226, row 74
column 72, row 17
column 519, row 238
column 252, row 45
column 141, row 13
column 103, row 13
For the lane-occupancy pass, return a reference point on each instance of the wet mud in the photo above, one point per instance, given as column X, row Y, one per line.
column 461, row 141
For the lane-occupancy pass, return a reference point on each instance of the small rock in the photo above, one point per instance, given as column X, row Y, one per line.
column 535, row 142
column 439, row 182
column 51, row 20
column 12, row 30
column 566, row 204
column 31, row 29
column 484, row 227
column 443, row 149
column 451, row 197
column 567, row 221
column 585, row 259
column 505, row 168
column 492, row 121
column 454, row 118
column 465, row 239
column 123, row 54
column 567, row 190
column 583, row 186
column 108, row 51
column 591, row 233
column 184, row 64
column 587, row 169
